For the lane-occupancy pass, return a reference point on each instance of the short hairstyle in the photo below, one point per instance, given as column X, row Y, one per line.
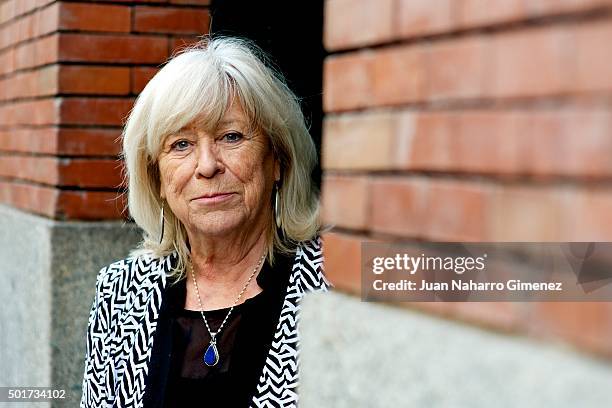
column 204, row 79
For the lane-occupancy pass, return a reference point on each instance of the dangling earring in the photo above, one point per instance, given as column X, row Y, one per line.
column 277, row 210
column 161, row 223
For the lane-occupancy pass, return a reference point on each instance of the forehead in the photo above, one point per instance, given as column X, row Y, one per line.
column 233, row 116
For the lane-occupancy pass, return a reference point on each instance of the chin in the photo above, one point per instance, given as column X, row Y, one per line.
column 218, row 225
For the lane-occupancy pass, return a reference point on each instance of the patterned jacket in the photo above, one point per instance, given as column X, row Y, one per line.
column 124, row 317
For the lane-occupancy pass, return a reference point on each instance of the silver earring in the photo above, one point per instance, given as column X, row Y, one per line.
column 161, row 223
column 277, row 210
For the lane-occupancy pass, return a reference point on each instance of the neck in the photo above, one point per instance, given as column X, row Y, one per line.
column 223, row 264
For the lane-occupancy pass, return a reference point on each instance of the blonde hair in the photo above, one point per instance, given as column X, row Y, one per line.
column 204, row 79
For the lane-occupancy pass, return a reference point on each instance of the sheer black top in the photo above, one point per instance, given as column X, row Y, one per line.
column 242, row 344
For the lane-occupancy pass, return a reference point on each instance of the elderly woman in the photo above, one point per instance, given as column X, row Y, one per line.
column 219, row 164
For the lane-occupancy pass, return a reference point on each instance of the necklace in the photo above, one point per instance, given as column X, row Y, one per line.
column 211, row 356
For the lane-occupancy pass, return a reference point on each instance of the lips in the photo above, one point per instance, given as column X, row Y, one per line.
column 213, row 198
column 212, row 195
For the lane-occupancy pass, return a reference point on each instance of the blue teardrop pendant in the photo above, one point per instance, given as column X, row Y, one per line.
column 211, row 357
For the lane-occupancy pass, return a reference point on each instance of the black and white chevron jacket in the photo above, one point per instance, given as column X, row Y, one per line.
column 123, row 320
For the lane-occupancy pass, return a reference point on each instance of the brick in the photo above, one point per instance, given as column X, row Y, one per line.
column 541, row 143
column 41, row 82
column 474, row 13
column 587, row 137
column 456, row 211
column 342, row 253
column 46, row 50
column 398, row 76
column 587, row 214
column 25, row 28
column 42, row 51
column 346, row 138
column 398, row 205
column 424, row 17
column 587, row 325
column 428, row 137
column 25, row 56
column 29, row 140
column 489, row 142
column 441, row 210
column 481, row 13
column 527, row 213
column 88, row 142
column 100, row 80
column 29, row 197
column 191, row 2
column 170, row 20
column 47, row 19
column 549, row 213
column 140, row 76
column 472, row 141
column 526, row 63
column 42, row 21
column 22, row 85
column 7, row 11
column 62, row 141
column 112, row 48
column 544, row 143
column 532, row 62
column 62, row 172
column 445, row 80
column 91, row 111
column 347, row 81
column 345, row 201
column 91, row 205
column 547, row 7
column 37, row 112
column 90, row 173
column 571, row 143
column 593, row 56
column 94, row 17
column 7, row 61
column 30, row 168
column 38, row 52
column 25, row 6
column 357, row 23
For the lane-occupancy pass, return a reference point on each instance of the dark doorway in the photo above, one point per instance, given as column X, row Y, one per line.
column 291, row 32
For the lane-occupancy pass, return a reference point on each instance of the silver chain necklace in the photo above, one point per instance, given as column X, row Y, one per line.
column 211, row 356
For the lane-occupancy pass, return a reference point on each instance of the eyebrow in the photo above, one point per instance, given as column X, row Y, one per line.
column 225, row 122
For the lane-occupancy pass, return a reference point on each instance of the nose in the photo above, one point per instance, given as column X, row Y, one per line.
column 208, row 160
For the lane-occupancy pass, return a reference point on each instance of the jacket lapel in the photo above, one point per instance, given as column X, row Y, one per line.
column 136, row 333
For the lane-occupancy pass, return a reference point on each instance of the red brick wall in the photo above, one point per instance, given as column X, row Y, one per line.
column 471, row 120
column 69, row 73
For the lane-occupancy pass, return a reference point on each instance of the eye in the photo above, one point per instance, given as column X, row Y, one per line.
column 180, row 145
column 232, row 137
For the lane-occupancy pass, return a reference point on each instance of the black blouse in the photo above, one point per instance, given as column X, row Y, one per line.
column 243, row 345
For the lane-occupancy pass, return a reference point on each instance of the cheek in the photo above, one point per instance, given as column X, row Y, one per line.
column 257, row 175
column 173, row 176
column 253, row 169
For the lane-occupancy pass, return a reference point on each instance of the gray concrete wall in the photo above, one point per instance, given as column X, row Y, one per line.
column 358, row 354
column 48, row 270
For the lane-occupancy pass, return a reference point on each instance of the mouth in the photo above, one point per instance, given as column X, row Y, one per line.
column 213, row 198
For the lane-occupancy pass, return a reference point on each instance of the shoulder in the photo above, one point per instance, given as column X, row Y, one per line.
column 309, row 265
column 133, row 270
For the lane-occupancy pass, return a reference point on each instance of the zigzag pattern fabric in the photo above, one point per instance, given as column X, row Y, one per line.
column 124, row 315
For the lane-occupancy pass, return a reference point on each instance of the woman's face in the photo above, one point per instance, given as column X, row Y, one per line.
column 218, row 181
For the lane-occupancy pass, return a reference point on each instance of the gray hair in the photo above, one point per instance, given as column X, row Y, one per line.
column 204, row 79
